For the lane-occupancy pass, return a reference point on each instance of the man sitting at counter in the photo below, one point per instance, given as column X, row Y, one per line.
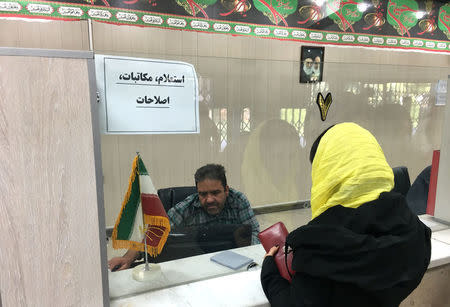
column 213, row 204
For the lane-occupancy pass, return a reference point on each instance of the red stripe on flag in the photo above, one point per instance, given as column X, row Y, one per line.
column 154, row 235
column 152, row 205
column 153, row 209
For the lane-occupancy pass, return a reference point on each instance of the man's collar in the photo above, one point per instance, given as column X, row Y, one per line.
column 196, row 201
column 231, row 199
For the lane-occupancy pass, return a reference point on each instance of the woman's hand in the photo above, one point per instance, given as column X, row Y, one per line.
column 273, row 250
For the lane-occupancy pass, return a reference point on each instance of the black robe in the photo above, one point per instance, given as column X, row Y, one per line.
column 417, row 196
column 374, row 255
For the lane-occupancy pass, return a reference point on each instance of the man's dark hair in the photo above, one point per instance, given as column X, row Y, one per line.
column 314, row 146
column 211, row 171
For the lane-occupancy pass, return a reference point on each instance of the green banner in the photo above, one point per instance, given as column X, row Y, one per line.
column 400, row 24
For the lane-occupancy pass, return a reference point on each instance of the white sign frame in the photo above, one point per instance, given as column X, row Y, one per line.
column 146, row 96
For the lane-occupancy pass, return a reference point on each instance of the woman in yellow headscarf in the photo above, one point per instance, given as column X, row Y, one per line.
column 363, row 246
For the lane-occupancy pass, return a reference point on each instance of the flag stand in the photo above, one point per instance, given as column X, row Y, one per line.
column 146, row 271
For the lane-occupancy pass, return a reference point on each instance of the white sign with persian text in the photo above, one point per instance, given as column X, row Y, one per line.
column 146, row 96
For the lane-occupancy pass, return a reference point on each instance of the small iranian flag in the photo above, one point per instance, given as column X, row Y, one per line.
column 141, row 205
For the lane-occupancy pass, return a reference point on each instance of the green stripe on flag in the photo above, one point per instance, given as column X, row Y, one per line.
column 127, row 220
column 141, row 168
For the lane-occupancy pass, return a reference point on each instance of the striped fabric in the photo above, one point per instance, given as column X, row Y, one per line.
column 141, row 205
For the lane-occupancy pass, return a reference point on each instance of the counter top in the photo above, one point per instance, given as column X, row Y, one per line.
column 197, row 281
column 178, row 272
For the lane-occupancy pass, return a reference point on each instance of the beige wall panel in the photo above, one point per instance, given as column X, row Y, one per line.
column 173, row 42
column 241, row 94
column 300, row 92
column 241, row 46
column 185, row 58
column 50, row 33
column 263, row 49
column 215, row 69
column 9, row 34
column 381, row 56
column 283, row 82
column 102, row 37
column 432, row 290
column 285, row 50
column 74, row 35
column 139, row 39
column 48, row 215
column 156, row 41
column 189, row 43
column 45, row 34
column 249, row 82
column 236, row 46
column 231, row 156
column 112, row 188
column 236, row 83
column 261, row 89
column 30, row 35
column 121, row 38
column 205, row 44
column 219, row 45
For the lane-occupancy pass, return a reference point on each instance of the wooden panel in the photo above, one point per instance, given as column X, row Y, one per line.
column 49, row 241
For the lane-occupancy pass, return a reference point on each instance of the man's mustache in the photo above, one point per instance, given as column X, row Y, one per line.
column 214, row 204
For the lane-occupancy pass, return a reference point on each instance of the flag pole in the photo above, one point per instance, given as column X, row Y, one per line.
column 147, row 267
column 147, row 271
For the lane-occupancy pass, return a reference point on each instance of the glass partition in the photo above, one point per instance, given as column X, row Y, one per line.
column 259, row 122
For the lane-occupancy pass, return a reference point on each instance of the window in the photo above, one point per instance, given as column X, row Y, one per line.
column 295, row 117
column 245, row 120
column 219, row 116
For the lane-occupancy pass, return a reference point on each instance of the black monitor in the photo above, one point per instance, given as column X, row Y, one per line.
column 191, row 241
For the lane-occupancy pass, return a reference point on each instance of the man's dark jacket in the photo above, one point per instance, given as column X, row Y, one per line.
column 374, row 255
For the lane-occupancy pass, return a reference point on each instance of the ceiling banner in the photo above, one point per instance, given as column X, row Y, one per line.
column 403, row 24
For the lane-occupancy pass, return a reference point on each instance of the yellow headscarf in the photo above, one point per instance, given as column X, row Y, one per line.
column 349, row 169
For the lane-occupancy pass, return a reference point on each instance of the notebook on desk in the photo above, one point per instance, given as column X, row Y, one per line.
column 231, row 259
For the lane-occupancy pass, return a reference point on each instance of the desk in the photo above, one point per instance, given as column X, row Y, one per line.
column 197, row 283
column 235, row 290
column 244, row 289
column 177, row 272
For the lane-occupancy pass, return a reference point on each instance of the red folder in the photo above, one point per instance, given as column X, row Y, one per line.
column 276, row 234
